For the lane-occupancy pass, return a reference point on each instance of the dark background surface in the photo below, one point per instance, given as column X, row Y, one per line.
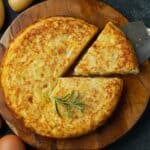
column 139, row 137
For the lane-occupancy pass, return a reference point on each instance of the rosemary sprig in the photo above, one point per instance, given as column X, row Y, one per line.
column 69, row 100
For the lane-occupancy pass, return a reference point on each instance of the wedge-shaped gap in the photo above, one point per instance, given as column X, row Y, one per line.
column 77, row 60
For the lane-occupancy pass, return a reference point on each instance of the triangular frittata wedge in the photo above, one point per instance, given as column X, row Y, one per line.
column 82, row 104
column 111, row 53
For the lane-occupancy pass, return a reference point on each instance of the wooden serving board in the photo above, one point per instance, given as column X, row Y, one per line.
column 136, row 91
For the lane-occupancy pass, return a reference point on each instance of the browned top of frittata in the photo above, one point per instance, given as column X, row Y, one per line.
column 111, row 53
column 32, row 63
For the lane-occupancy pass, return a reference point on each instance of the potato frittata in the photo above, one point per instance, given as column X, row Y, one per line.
column 33, row 62
column 111, row 53
column 93, row 101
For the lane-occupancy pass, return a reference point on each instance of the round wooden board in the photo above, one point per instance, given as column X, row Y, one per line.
column 136, row 91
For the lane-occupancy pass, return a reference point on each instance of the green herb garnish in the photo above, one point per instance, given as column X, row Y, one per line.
column 69, row 100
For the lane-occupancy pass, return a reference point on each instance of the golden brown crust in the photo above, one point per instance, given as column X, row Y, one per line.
column 111, row 53
column 34, row 60
column 99, row 96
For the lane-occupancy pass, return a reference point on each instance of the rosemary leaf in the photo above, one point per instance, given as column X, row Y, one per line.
column 57, row 110
column 56, row 106
column 67, row 96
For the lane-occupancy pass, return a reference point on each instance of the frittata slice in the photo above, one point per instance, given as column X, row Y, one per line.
column 82, row 104
column 111, row 53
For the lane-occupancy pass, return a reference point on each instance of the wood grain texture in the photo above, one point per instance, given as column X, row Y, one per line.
column 136, row 91
column 90, row 10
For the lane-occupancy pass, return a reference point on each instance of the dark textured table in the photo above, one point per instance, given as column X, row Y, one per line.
column 139, row 137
